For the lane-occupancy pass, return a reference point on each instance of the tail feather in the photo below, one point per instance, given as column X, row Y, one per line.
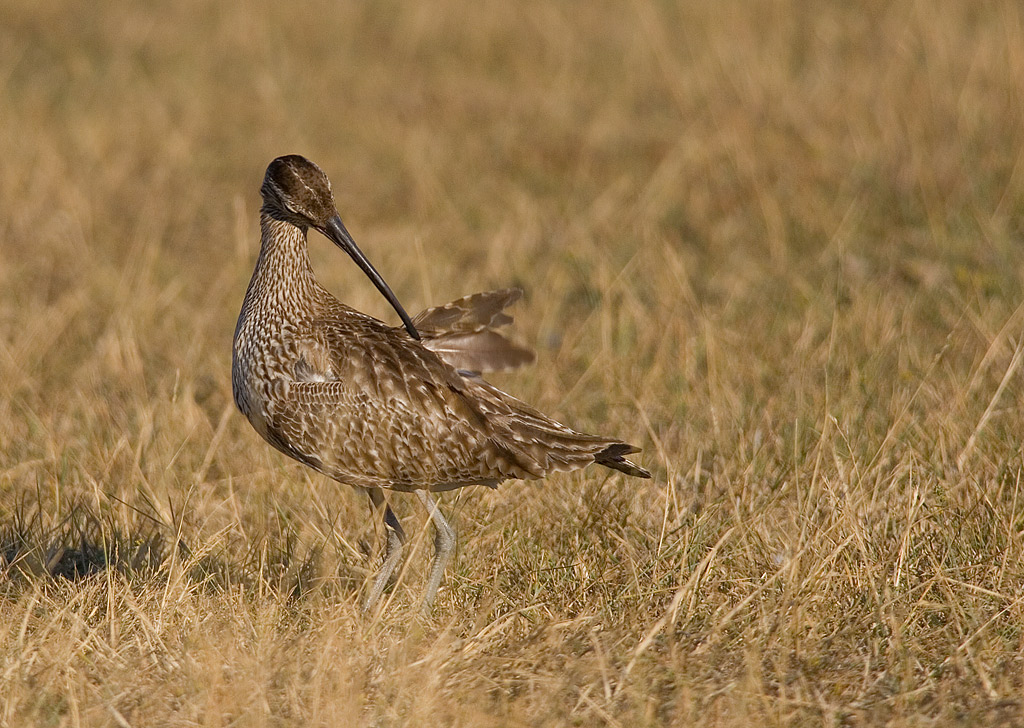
column 541, row 444
column 612, row 457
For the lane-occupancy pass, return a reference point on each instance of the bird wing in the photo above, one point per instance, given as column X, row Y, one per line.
column 470, row 313
column 369, row 406
column 463, row 334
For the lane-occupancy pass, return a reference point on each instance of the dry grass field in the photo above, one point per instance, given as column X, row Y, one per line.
column 777, row 244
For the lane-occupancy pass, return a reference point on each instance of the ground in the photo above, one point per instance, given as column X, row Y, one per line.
column 778, row 245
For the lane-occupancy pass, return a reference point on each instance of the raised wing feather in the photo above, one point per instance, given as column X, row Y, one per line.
column 480, row 351
column 470, row 313
column 462, row 332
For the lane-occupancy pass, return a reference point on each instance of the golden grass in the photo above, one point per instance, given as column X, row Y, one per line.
column 777, row 244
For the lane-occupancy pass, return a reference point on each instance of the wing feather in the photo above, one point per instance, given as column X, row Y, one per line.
column 371, row 407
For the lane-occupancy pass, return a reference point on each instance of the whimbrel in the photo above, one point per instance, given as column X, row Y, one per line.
column 380, row 407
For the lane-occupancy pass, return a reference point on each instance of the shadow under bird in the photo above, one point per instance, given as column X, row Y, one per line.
column 376, row 406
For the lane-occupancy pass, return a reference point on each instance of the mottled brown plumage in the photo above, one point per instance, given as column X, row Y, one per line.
column 376, row 406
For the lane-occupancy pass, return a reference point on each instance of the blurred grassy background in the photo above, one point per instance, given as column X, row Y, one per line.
column 777, row 244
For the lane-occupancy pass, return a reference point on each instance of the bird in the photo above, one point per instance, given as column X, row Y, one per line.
column 379, row 407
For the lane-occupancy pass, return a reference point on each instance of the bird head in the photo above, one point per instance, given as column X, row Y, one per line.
column 297, row 191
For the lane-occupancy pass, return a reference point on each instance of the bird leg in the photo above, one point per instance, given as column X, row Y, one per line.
column 444, row 544
column 392, row 548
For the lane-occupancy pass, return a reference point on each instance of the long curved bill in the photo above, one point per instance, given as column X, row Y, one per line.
column 336, row 231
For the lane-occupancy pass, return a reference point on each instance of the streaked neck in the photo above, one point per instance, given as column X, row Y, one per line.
column 283, row 253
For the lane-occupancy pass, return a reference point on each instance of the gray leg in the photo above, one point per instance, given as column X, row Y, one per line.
column 392, row 548
column 444, row 544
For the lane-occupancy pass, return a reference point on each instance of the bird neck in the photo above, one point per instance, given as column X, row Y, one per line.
column 284, row 257
column 283, row 286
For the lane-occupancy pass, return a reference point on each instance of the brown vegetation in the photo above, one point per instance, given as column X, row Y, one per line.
column 777, row 244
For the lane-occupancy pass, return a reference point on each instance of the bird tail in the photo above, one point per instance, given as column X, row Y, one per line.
column 463, row 334
column 537, row 444
column 612, row 457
